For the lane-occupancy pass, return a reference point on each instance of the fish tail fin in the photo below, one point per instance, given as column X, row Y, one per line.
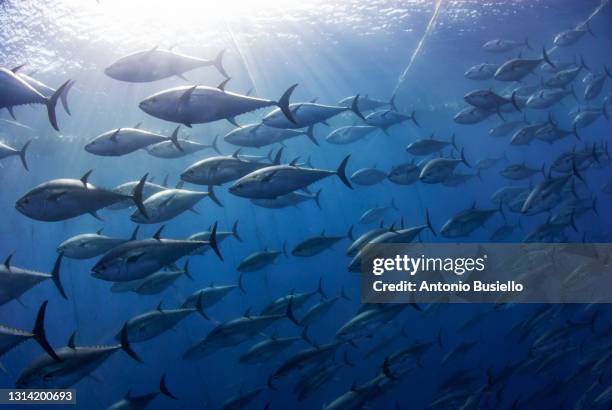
column 414, row 119
column 310, row 134
column 55, row 275
column 163, row 388
column 52, row 103
column 283, row 103
column 137, row 195
column 200, row 306
column 341, row 171
column 271, row 386
column 22, row 154
column 575, row 171
column 514, row 102
column 583, row 64
column 290, row 314
column 213, row 241
column 320, row 290
column 174, row 139
column 387, row 369
column 573, row 91
column 546, row 58
column 463, row 158
column 575, row 133
column 214, row 145
column 39, row 332
column 317, row 198
column 213, row 196
column 186, row 270
column 355, row 107
column 305, row 337
column 349, row 234
column 428, row 223
column 500, row 209
column 235, row 233
column 218, row 63
column 126, row 346
column 241, row 284
column 64, row 97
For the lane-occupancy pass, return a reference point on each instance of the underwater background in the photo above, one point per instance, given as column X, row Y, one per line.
column 332, row 49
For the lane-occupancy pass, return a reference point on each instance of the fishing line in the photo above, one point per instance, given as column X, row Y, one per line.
column 419, row 47
column 413, row 57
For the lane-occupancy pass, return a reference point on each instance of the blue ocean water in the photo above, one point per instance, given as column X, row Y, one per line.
column 332, row 50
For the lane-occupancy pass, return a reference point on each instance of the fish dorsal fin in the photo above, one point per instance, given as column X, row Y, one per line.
column 187, row 94
column 323, row 232
column 380, row 225
column 247, row 313
column 16, row 69
column 277, row 157
column 223, row 83
column 354, row 386
column 137, row 126
column 7, row 262
column 273, row 336
column 314, row 100
column 71, row 341
column 294, row 162
column 236, row 153
column 99, row 231
column 159, row 306
column 179, row 184
column 113, row 137
column 157, row 234
column 128, row 395
column 402, row 222
column 474, row 205
column 151, row 51
column 85, row 177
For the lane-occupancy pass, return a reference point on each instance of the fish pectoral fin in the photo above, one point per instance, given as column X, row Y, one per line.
column 95, row 215
column 194, row 211
column 56, row 195
column 134, row 258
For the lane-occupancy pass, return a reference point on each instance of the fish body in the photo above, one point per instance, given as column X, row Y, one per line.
column 88, row 245
column 503, row 45
column 465, row 222
column 200, row 104
column 260, row 135
column 156, row 64
column 368, row 176
column 483, row 71
column 287, row 200
column 220, row 170
column 471, row 115
column 168, row 149
column 277, row 180
column 122, row 141
column 307, row 114
column 62, row 199
column 267, row 350
column 405, row 174
column 141, row 258
column 167, row 204
column 517, row 172
column 547, row 97
column 151, row 324
column 387, row 118
column 349, row 134
column 257, row 261
column 518, row 68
